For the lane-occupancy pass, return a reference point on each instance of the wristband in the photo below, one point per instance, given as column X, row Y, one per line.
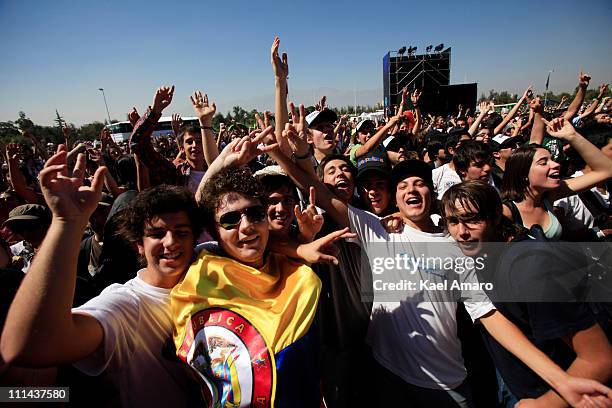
column 295, row 157
column 598, row 232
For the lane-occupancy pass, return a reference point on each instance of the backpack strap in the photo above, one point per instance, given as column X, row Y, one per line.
column 516, row 214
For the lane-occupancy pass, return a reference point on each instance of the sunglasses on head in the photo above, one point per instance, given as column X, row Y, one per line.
column 231, row 220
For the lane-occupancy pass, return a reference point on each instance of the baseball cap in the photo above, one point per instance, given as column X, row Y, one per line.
column 394, row 143
column 316, row 117
column 29, row 212
column 502, row 142
column 410, row 168
column 373, row 162
column 365, row 124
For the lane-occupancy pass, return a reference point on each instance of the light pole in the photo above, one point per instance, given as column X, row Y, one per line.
column 105, row 104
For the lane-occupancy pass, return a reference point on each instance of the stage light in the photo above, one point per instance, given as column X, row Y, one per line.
column 401, row 51
column 411, row 50
column 439, row 48
column 429, row 48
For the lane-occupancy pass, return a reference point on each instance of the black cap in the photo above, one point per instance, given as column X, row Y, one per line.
column 410, row 168
column 397, row 142
column 373, row 162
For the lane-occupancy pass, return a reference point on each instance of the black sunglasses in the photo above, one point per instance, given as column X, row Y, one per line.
column 231, row 220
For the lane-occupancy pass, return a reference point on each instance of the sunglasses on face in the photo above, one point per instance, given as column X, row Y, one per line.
column 231, row 220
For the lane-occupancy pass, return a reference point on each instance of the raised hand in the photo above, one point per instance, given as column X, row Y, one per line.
column 162, row 99
column 560, row 128
column 13, row 151
column 133, row 116
column 296, row 132
column 203, row 110
column 309, row 221
column 176, row 123
column 66, row 196
column 603, row 88
column 483, row 107
column 322, row 104
column 583, row 80
column 279, row 65
column 527, row 94
column 323, row 249
column 416, row 95
column 241, row 151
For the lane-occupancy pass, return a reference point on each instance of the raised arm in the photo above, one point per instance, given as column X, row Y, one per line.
column 484, row 109
column 414, row 98
column 378, row 137
column 538, row 128
column 513, row 111
column 603, row 88
column 281, row 72
column 140, row 140
column 205, row 112
column 40, row 328
column 17, row 178
column 335, row 207
column 600, row 164
column 583, row 83
column 561, row 102
column 237, row 153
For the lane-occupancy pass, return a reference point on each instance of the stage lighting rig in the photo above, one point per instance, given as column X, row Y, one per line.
column 429, row 48
column 439, row 48
column 401, row 51
column 411, row 51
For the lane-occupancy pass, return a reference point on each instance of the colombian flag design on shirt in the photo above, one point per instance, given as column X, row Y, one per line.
column 246, row 331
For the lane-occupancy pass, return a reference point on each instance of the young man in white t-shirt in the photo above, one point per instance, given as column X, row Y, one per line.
column 124, row 330
column 414, row 339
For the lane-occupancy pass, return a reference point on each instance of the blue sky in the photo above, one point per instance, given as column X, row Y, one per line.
column 58, row 53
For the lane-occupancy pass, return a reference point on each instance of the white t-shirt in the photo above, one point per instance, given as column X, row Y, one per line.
column 137, row 322
column 416, row 339
column 577, row 215
column 444, row 178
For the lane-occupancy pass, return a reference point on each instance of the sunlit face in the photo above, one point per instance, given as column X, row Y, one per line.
column 192, row 146
column 281, row 204
column 365, row 134
column 338, row 177
column 478, row 170
column 544, row 173
column 167, row 245
column 246, row 242
column 374, row 189
column 413, row 198
column 322, row 137
column 468, row 228
column 483, row 135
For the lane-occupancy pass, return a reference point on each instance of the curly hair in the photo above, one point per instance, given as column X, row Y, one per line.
column 229, row 181
column 154, row 201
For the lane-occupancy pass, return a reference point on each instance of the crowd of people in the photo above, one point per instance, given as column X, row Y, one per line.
column 235, row 267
